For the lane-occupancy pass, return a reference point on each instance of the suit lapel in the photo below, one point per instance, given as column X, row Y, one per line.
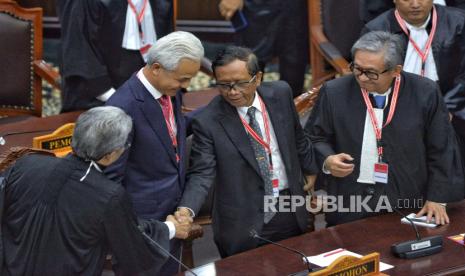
column 154, row 115
column 276, row 114
column 235, row 131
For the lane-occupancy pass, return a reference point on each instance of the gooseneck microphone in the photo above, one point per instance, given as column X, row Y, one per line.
column 416, row 248
column 166, row 252
column 254, row 234
column 4, row 135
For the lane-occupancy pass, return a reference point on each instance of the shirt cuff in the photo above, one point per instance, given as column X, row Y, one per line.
column 190, row 210
column 171, row 228
column 105, row 96
column 324, row 169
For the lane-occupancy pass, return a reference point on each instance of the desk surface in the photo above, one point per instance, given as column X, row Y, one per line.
column 21, row 133
column 363, row 237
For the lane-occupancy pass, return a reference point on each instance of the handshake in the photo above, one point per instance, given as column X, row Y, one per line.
column 182, row 221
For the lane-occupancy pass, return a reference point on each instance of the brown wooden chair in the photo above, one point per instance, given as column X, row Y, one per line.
column 334, row 26
column 22, row 67
column 200, row 98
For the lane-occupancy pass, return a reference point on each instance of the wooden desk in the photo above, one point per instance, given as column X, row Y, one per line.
column 363, row 237
column 21, row 133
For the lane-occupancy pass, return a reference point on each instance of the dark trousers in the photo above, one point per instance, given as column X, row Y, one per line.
column 282, row 226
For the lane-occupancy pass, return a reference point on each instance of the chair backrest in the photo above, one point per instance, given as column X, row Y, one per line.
column 199, row 98
column 21, row 45
column 341, row 23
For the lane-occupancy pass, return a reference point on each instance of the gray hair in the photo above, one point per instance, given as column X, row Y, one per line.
column 169, row 50
column 379, row 41
column 100, row 131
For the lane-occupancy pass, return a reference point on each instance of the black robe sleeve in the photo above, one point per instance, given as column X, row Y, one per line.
column 133, row 253
column 81, row 23
column 445, row 175
column 321, row 129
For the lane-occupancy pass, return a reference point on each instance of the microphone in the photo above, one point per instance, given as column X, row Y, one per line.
column 166, row 252
column 254, row 234
column 416, row 248
column 2, row 136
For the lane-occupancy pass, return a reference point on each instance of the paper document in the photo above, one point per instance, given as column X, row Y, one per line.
column 421, row 221
column 325, row 259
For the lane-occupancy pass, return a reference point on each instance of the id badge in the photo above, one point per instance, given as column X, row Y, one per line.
column 275, row 183
column 381, row 173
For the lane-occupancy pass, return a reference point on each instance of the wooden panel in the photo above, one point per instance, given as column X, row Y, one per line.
column 199, row 10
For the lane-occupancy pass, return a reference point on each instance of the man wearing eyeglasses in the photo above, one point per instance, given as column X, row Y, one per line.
column 435, row 40
column 249, row 139
column 385, row 132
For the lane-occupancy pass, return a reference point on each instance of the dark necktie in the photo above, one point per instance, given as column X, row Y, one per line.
column 379, row 100
column 260, row 155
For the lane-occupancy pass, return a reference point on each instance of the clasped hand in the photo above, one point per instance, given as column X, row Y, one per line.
column 182, row 220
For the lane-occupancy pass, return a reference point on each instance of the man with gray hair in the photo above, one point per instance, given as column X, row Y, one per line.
column 153, row 170
column 62, row 216
column 385, row 132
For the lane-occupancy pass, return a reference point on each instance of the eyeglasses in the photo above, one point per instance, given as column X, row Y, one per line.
column 369, row 74
column 238, row 86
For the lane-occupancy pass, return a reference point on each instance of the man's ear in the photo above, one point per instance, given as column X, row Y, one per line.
column 258, row 78
column 398, row 70
column 155, row 68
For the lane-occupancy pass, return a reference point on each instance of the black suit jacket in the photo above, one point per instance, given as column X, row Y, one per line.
column 448, row 50
column 221, row 150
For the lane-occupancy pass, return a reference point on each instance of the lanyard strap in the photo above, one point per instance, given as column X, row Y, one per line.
column 423, row 54
column 139, row 16
column 374, row 121
column 266, row 144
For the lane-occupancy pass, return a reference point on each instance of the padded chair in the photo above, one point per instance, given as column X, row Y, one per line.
column 21, row 64
column 334, row 27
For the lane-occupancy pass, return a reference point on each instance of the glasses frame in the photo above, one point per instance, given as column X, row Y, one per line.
column 226, row 87
column 369, row 74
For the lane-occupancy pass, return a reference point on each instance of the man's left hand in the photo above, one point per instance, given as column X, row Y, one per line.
column 434, row 209
column 183, row 215
column 310, row 186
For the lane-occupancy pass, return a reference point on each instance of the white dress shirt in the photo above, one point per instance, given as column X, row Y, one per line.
column 412, row 62
column 369, row 153
column 279, row 170
column 154, row 92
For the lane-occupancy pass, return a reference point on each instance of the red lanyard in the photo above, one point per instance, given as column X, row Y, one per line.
column 170, row 123
column 266, row 144
column 422, row 54
column 374, row 121
column 139, row 16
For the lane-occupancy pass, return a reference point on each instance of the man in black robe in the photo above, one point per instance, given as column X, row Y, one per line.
column 446, row 58
column 417, row 148
column 370, row 9
column 61, row 216
column 94, row 61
